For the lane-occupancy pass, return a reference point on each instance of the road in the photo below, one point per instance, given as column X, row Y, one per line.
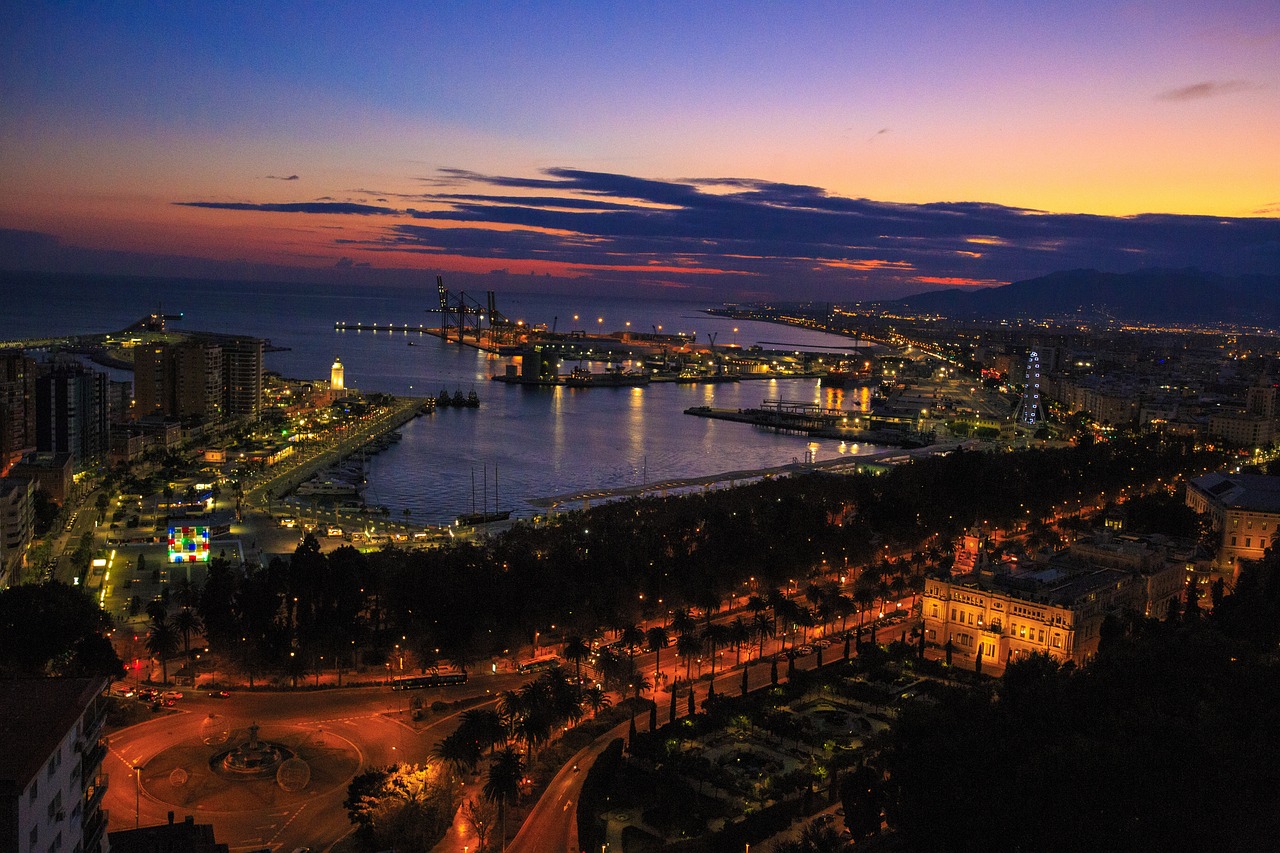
column 364, row 725
column 552, row 825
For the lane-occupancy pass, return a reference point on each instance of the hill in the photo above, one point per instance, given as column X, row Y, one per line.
column 1145, row 296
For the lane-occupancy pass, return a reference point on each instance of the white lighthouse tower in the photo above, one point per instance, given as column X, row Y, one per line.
column 337, row 381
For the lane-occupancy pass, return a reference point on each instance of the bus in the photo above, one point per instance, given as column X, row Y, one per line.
column 417, row 682
column 538, row 664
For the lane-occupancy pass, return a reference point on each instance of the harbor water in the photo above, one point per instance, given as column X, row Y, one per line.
column 533, row 441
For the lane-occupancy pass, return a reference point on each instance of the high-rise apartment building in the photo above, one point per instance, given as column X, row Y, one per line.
column 197, row 380
column 15, row 527
column 149, row 380
column 183, row 380
column 71, row 411
column 242, row 377
column 17, row 408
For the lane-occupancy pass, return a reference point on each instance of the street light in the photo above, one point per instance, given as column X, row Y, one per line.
column 137, row 796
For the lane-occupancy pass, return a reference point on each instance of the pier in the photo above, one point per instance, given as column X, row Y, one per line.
column 278, row 482
column 810, row 419
column 874, row 462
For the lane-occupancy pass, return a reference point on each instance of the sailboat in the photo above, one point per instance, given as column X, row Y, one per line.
column 473, row 518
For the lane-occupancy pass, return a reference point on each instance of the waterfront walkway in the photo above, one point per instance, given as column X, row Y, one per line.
column 732, row 478
column 287, row 476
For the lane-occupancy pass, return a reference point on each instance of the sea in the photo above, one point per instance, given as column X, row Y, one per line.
column 523, row 443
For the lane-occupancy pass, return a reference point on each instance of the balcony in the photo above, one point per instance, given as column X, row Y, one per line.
column 95, row 828
column 94, row 793
column 93, row 760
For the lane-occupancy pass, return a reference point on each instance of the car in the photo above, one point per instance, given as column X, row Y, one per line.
column 148, row 693
column 173, row 695
column 219, row 694
column 822, row 642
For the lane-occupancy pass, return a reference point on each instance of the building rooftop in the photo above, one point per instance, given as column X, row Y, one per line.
column 1255, row 492
column 1060, row 584
column 35, row 715
column 185, row 837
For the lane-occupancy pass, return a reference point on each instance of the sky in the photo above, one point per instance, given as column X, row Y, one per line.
column 721, row 151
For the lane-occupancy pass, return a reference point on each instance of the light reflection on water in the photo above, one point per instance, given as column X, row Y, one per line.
column 541, row 441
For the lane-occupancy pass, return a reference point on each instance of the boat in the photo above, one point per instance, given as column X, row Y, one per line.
column 327, row 489
column 473, row 400
column 471, row 519
column 412, row 344
column 485, row 516
column 705, row 379
column 847, row 379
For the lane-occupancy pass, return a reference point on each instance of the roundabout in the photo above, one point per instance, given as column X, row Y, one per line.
column 280, row 767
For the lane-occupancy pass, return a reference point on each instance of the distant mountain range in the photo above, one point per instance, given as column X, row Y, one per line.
column 1145, row 296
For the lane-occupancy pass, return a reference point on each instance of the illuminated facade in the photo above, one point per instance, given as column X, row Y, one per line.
column 1054, row 607
column 337, row 376
column 189, row 544
column 1245, row 513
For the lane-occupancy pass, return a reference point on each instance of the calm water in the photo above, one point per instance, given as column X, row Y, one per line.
column 542, row 441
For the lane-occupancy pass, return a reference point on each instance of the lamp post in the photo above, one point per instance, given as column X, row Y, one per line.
column 137, row 796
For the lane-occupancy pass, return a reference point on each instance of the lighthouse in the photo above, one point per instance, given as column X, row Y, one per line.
column 336, row 380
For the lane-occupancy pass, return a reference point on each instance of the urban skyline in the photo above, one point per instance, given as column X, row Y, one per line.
column 834, row 151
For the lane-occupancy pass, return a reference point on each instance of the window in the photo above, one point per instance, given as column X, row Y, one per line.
column 953, row 610
column 1041, row 637
column 1233, row 541
column 35, row 789
column 35, row 834
column 934, row 611
column 1057, row 641
column 1248, row 542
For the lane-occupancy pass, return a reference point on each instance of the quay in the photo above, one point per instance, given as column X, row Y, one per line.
column 285, row 479
column 817, row 422
column 871, row 462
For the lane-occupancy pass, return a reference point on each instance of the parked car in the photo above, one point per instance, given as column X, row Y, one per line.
column 173, row 695
column 219, row 694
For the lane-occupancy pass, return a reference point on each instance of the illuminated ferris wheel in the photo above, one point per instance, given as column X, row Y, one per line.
column 1031, row 410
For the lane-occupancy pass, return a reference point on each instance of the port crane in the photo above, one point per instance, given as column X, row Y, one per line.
column 469, row 317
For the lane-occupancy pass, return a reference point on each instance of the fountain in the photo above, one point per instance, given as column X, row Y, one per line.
column 253, row 759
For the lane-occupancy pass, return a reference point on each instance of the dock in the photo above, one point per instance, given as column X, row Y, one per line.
column 873, row 462
column 800, row 418
column 287, row 478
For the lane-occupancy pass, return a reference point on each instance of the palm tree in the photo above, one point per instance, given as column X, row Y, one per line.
column 157, row 610
column 638, row 683
column 503, row 784
column 162, row 642
column 715, row 636
column 611, row 667
column 656, row 639
column 762, row 625
column 187, row 622
column 688, row 645
column 844, row 607
column 484, row 726
column 739, row 635
column 457, row 752
column 511, row 708
column 682, row 622
column 576, row 650
column 595, row 697
column 632, row 636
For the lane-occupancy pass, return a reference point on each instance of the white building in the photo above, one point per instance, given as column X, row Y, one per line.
column 337, row 375
column 51, row 780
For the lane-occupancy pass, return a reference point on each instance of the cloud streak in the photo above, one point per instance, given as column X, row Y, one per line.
column 1207, row 89
column 793, row 239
